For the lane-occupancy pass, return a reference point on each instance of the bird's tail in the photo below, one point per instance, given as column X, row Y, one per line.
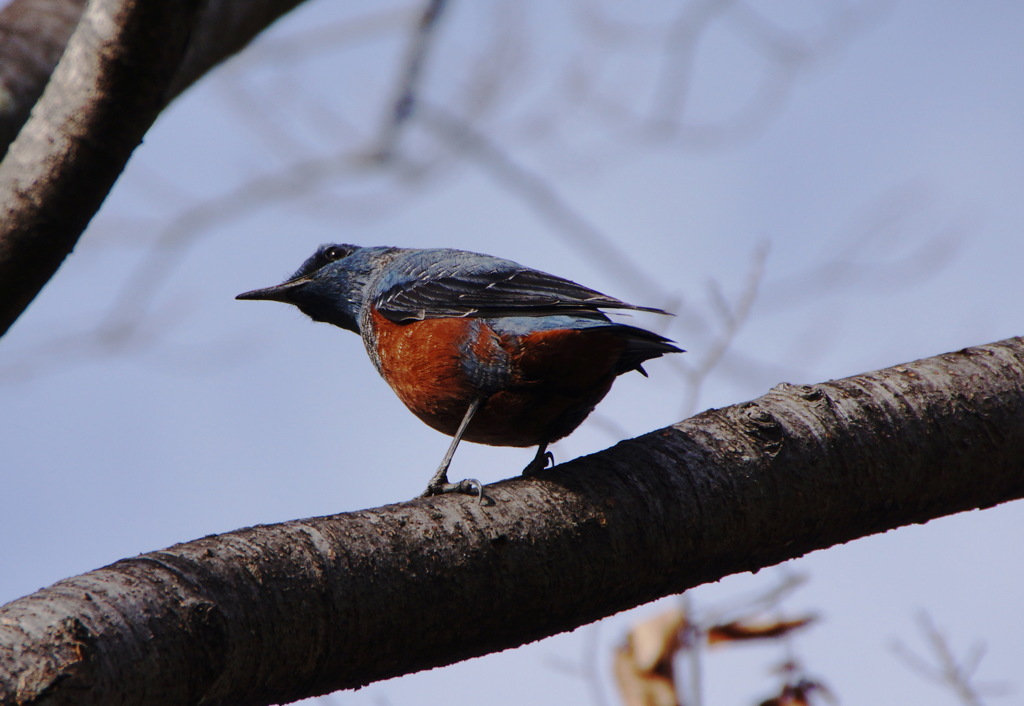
column 641, row 345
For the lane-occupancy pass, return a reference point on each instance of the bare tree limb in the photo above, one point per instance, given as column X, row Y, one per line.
column 277, row 613
column 33, row 34
column 123, row 64
column 412, row 72
column 106, row 91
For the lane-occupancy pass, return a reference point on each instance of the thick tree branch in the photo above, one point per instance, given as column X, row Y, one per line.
column 123, row 64
column 226, row 27
column 33, row 34
column 107, row 90
column 279, row 612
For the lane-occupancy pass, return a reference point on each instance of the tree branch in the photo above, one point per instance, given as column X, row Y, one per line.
column 276, row 613
column 33, row 34
column 123, row 64
column 107, row 90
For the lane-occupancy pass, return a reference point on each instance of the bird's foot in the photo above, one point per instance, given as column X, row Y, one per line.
column 469, row 486
column 539, row 463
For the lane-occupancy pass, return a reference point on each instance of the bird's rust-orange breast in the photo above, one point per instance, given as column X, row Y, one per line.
column 420, row 360
column 554, row 378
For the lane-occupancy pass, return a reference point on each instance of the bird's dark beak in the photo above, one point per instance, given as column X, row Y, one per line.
column 280, row 293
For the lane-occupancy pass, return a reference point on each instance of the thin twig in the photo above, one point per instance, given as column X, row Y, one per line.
column 405, row 101
column 591, row 242
column 733, row 317
column 943, row 668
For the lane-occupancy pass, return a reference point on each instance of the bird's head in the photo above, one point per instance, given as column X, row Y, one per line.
column 331, row 285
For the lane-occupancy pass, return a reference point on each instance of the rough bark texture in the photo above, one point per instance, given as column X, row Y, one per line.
column 107, row 90
column 276, row 613
column 123, row 64
column 32, row 38
column 33, row 34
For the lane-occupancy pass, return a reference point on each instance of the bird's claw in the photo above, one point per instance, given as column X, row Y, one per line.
column 539, row 463
column 469, row 486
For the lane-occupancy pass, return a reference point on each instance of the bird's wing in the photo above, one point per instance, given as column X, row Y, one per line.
column 430, row 284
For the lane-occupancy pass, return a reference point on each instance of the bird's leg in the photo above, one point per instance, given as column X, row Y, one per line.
column 439, row 483
column 540, row 461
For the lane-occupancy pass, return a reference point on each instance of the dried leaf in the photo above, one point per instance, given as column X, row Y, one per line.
column 657, row 640
column 638, row 687
column 643, row 666
column 738, row 630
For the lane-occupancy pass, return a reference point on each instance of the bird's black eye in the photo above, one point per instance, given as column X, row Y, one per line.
column 334, row 253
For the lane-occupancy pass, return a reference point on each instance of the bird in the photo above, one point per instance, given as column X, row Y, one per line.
column 480, row 348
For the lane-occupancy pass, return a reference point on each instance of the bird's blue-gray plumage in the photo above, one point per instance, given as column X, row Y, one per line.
column 437, row 283
column 477, row 346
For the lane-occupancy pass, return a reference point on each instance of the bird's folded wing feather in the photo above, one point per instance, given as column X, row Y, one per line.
column 484, row 286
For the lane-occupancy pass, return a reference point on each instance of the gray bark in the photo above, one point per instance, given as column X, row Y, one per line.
column 33, row 34
column 122, row 65
column 277, row 613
